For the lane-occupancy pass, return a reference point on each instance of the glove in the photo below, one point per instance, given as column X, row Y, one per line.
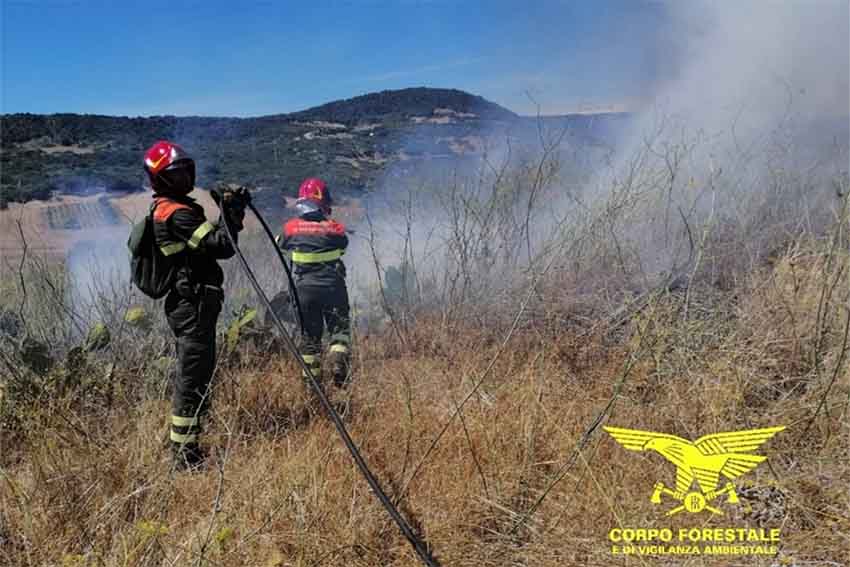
column 232, row 199
column 243, row 196
column 231, row 196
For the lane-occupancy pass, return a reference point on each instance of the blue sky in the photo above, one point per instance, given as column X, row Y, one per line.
column 251, row 58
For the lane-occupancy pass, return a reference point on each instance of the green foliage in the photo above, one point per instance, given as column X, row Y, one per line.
column 399, row 104
column 151, row 529
column 224, row 537
column 98, row 337
column 80, row 154
column 139, row 318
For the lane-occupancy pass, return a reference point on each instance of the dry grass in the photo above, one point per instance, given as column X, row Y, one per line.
column 94, row 488
column 499, row 467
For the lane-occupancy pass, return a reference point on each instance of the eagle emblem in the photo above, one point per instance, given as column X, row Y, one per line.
column 704, row 460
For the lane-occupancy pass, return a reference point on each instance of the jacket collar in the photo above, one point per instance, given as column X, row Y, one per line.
column 309, row 210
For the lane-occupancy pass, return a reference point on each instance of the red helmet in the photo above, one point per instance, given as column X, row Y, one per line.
column 169, row 168
column 314, row 189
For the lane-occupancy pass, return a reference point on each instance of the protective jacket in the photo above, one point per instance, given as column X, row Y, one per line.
column 315, row 245
column 184, row 234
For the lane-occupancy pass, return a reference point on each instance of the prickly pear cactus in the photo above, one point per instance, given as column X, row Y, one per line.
column 138, row 318
column 10, row 323
column 239, row 326
column 98, row 337
column 35, row 355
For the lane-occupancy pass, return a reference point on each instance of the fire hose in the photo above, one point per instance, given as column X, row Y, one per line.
column 403, row 525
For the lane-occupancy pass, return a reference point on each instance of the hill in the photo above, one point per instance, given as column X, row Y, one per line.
column 404, row 104
column 349, row 142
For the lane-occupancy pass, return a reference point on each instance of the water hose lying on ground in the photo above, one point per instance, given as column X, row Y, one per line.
column 418, row 545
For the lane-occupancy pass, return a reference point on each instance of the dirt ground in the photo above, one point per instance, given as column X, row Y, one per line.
column 34, row 224
column 41, row 224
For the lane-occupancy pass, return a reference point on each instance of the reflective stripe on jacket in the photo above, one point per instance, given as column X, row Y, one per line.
column 181, row 228
column 315, row 245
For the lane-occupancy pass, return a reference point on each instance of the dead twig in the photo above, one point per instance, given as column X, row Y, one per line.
column 24, row 296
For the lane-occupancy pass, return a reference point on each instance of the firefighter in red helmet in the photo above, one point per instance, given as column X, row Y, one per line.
column 315, row 243
column 193, row 245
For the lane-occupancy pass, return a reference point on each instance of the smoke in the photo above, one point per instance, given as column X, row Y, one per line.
column 736, row 150
column 743, row 71
column 754, row 62
column 97, row 268
column 746, row 136
column 455, row 235
column 736, row 147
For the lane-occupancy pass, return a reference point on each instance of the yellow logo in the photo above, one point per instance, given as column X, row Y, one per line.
column 703, row 460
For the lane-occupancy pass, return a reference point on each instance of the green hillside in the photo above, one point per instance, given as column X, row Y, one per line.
column 349, row 142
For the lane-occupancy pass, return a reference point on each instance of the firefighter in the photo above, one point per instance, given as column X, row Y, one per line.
column 193, row 246
column 315, row 244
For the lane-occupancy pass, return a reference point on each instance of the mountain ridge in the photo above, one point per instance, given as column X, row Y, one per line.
column 348, row 141
column 459, row 100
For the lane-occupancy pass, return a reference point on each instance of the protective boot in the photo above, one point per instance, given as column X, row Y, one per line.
column 314, row 363
column 340, row 364
column 187, row 457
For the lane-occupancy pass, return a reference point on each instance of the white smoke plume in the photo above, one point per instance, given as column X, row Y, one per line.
column 742, row 135
column 751, row 61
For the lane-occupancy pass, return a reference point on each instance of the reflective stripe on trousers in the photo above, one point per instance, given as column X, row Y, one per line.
column 314, row 363
column 184, row 429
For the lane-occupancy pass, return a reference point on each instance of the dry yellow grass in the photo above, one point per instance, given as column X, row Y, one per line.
column 52, row 242
column 94, row 489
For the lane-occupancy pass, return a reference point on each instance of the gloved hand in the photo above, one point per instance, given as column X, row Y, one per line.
column 231, row 195
column 233, row 199
column 238, row 198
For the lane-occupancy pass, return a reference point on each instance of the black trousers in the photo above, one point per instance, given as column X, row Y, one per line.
column 193, row 321
column 323, row 306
